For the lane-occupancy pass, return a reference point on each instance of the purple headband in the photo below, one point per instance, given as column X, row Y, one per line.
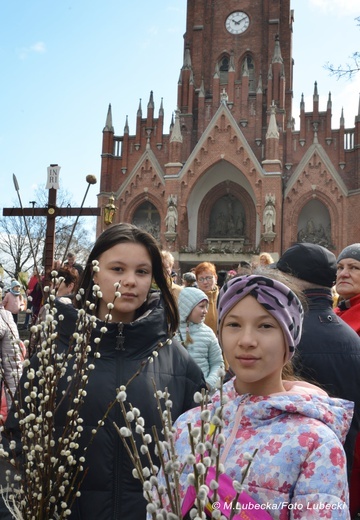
column 274, row 296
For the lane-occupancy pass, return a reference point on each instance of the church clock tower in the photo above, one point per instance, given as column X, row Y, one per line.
column 241, row 49
column 233, row 177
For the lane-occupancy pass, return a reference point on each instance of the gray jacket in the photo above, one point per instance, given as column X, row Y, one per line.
column 11, row 355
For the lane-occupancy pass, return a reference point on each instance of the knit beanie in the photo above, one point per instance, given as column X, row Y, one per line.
column 352, row 251
column 274, row 296
column 13, row 289
column 189, row 298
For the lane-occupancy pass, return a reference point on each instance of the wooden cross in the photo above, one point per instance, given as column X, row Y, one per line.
column 51, row 211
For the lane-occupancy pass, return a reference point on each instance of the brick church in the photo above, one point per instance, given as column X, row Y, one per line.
column 233, row 177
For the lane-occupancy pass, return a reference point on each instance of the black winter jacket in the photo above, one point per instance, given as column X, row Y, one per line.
column 329, row 355
column 109, row 491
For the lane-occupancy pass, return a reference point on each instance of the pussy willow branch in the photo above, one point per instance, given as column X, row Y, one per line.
column 217, row 472
column 115, row 401
column 167, row 426
column 162, row 463
column 236, row 499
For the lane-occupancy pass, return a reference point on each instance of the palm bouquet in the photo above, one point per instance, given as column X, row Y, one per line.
column 209, row 492
column 46, row 467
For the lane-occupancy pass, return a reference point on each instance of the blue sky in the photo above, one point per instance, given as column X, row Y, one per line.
column 63, row 62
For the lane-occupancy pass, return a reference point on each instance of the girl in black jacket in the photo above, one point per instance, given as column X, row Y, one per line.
column 141, row 319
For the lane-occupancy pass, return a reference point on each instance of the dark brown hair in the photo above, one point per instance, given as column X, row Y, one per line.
column 70, row 275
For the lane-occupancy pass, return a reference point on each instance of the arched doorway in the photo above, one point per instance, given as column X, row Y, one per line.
column 227, row 219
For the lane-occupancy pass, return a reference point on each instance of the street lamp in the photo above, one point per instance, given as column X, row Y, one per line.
column 109, row 211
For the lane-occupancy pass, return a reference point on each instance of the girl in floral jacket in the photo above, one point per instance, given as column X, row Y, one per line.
column 299, row 471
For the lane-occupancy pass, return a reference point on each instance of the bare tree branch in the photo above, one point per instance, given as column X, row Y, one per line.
column 349, row 70
column 15, row 250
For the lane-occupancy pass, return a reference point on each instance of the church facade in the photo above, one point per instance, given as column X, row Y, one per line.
column 233, row 178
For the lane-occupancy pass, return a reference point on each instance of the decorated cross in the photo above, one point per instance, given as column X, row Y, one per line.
column 51, row 211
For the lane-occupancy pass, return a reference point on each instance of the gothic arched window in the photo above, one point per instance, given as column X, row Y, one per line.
column 251, row 70
column 224, row 69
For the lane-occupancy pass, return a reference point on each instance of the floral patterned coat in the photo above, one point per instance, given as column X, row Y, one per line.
column 299, row 471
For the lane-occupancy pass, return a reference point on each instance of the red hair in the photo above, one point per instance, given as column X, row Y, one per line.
column 205, row 266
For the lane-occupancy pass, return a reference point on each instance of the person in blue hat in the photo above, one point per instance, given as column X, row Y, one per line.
column 197, row 337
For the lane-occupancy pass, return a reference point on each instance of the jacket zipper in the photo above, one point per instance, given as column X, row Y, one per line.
column 234, row 430
column 120, row 338
column 119, row 347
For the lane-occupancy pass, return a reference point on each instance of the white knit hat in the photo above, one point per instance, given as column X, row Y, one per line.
column 189, row 298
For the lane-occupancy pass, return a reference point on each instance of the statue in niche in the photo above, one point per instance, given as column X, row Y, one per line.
column 147, row 218
column 171, row 219
column 269, row 216
column 227, row 218
column 240, row 225
column 315, row 233
column 220, row 228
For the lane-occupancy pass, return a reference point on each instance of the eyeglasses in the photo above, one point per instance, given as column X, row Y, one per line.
column 206, row 279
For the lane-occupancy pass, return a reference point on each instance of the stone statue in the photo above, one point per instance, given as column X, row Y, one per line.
column 171, row 219
column 269, row 216
column 314, row 233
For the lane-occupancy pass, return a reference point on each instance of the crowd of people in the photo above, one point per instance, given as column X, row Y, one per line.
column 29, row 296
column 286, row 335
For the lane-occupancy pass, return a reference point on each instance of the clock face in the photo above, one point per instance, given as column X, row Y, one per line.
column 237, row 22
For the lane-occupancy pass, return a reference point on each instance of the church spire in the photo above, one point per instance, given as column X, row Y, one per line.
column 161, row 109
column 315, row 103
column 329, row 103
column 150, row 115
column 139, row 111
column 176, row 130
column 316, row 94
column 302, row 103
column 357, row 118
column 108, row 125
column 160, row 126
column 138, row 127
column 126, row 127
column 277, row 58
column 187, row 58
column 172, row 122
column 272, row 161
column 175, row 147
column 151, row 100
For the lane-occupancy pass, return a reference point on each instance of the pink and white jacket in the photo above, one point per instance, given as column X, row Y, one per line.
column 13, row 303
column 299, row 471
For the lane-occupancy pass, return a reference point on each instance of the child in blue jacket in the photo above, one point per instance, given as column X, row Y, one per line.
column 198, row 338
